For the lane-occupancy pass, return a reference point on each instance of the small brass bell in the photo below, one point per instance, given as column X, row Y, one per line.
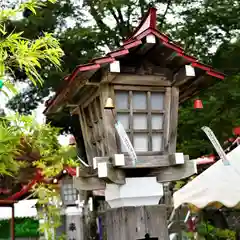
column 109, row 104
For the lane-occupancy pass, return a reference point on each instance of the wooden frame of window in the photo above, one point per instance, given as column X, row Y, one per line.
column 143, row 120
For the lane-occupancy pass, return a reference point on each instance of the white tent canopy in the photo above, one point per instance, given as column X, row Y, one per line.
column 24, row 208
column 219, row 183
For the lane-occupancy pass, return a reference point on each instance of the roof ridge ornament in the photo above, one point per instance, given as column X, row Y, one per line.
column 148, row 22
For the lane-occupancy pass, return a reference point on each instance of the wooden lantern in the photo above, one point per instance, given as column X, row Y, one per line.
column 141, row 85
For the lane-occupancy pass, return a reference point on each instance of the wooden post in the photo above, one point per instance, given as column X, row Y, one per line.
column 133, row 223
column 174, row 120
column 12, row 224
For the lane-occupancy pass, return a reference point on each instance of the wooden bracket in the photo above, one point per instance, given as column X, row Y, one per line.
column 88, row 183
column 110, row 174
column 117, row 160
column 177, row 172
column 97, row 160
column 183, row 75
column 176, row 158
column 155, row 161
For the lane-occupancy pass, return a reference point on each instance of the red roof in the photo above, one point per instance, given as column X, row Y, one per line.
column 146, row 27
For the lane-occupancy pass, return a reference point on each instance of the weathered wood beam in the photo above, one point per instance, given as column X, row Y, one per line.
column 108, row 77
column 74, row 111
column 173, row 120
column 89, row 94
column 117, row 160
column 185, row 97
column 106, row 91
column 183, row 75
column 166, row 122
column 97, row 160
column 92, row 84
column 146, row 161
column 144, row 80
column 78, row 84
column 128, row 223
column 189, row 90
column 86, row 172
column 177, row 172
column 150, row 42
column 88, row 183
column 88, row 146
column 110, row 174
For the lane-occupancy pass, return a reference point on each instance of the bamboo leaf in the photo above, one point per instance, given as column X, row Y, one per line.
column 10, row 87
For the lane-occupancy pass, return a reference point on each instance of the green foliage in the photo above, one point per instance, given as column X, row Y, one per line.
column 22, row 53
column 41, row 139
column 24, row 227
column 49, row 210
column 9, row 142
column 210, row 232
column 220, row 113
column 22, row 134
column 207, row 30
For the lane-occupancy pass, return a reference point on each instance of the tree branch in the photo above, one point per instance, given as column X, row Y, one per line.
column 165, row 13
column 97, row 17
column 142, row 5
column 122, row 27
column 114, row 15
column 129, row 12
column 120, row 15
column 119, row 20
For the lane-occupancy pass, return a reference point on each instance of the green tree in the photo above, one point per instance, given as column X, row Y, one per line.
column 26, row 146
column 201, row 26
column 78, row 42
column 27, row 55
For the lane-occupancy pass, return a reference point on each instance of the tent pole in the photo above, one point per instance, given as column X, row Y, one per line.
column 12, row 224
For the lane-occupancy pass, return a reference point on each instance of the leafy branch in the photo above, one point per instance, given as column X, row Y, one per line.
column 26, row 145
column 17, row 52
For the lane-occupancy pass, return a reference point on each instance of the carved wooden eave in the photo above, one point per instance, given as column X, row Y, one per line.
column 147, row 47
